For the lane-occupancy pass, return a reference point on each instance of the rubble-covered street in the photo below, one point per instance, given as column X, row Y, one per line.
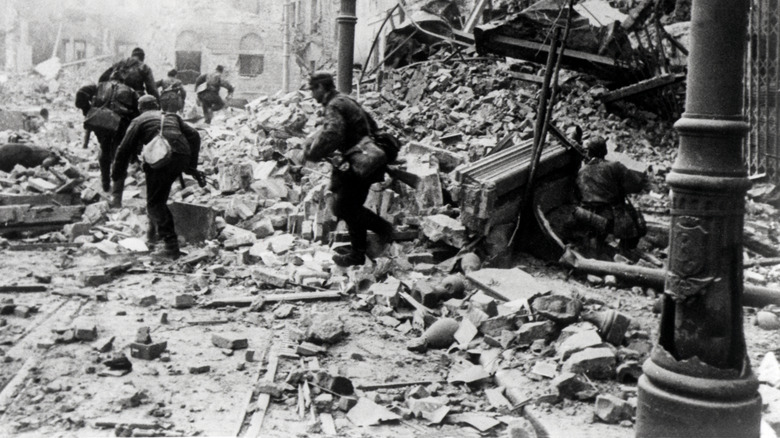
column 447, row 331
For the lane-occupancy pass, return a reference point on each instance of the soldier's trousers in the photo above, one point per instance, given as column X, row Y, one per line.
column 348, row 205
column 158, row 188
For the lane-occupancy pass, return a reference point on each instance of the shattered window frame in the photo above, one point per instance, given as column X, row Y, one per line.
column 250, row 64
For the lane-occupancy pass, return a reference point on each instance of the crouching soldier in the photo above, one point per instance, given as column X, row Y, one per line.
column 603, row 188
column 185, row 144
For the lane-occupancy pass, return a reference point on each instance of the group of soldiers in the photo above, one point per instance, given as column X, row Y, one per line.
column 129, row 90
column 125, row 111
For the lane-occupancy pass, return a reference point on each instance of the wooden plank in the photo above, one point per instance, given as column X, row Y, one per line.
column 639, row 87
column 44, row 246
column 391, row 385
column 526, row 77
column 272, row 298
column 23, row 288
column 255, row 379
column 46, row 199
column 508, row 284
column 256, row 422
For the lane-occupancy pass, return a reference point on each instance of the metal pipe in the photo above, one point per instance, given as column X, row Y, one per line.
column 346, row 28
column 754, row 296
column 286, row 48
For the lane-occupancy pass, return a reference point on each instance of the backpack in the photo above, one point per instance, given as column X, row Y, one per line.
column 129, row 72
column 389, row 143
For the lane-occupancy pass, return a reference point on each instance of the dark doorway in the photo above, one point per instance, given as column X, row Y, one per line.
column 188, row 65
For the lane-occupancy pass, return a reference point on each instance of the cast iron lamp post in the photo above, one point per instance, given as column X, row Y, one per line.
column 698, row 380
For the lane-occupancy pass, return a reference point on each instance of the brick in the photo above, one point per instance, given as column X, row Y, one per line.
column 387, row 292
column 262, row 228
column 96, row 212
column 95, row 279
column 146, row 301
column 235, row 177
column 529, row 332
column 106, row 345
column 347, row 403
column 442, row 228
column 269, row 277
column 229, row 341
column 184, row 301
column 596, row 363
column 420, row 257
column 85, row 331
column 200, row 369
column 237, row 237
column 249, row 355
column 309, row 349
column 143, row 335
column 426, row 293
column 23, row 311
column 611, row 409
column 77, row 229
column 147, row 351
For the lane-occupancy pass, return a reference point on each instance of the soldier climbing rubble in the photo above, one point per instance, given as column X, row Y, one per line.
column 184, row 141
column 345, row 124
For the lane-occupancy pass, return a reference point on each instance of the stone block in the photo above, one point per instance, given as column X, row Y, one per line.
column 77, row 229
column 200, row 369
column 184, row 301
column 269, row 277
column 578, row 342
column 483, row 302
column 86, row 331
column 194, row 222
column 235, row 177
column 420, row 257
column 596, row 363
column 262, row 228
column 530, row 332
column 611, row 409
column 442, row 228
column 496, row 325
column 237, row 237
column 96, row 212
column 147, row 351
column 229, row 341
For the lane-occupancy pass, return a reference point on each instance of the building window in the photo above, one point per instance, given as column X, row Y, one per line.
column 79, row 49
column 250, row 65
column 250, row 56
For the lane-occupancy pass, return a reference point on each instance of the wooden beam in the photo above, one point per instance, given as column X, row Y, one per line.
column 639, row 87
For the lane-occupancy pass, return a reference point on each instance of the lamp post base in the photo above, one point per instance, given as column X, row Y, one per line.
column 677, row 405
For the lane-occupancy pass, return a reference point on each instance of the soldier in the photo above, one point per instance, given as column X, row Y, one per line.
column 344, row 124
column 173, row 95
column 134, row 73
column 185, row 144
column 209, row 97
column 118, row 98
column 603, row 186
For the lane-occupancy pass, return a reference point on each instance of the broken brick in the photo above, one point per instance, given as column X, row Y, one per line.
column 596, row 363
column 530, row 332
column 200, row 369
column 147, row 351
column 184, row 301
column 611, row 409
column 229, row 341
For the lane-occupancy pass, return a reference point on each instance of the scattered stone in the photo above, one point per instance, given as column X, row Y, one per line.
column 520, row 428
column 184, row 301
column 347, row 403
column 569, row 385
column 578, row 342
column 86, row 331
column 283, row 311
column 611, row 409
column 147, row 351
column 229, row 341
column 529, row 332
column 149, row 300
column 442, row 228
column 769, row 370
column 143, row 335
column 367, row 413
column 629, row 371
column 200, row 369
column 596, row 363
column 323, row 402
column 558, row 308
column 106, row 345
column 325, row 329
column 309, row 349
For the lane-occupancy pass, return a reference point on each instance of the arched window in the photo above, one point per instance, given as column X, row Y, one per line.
column 250, row 56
